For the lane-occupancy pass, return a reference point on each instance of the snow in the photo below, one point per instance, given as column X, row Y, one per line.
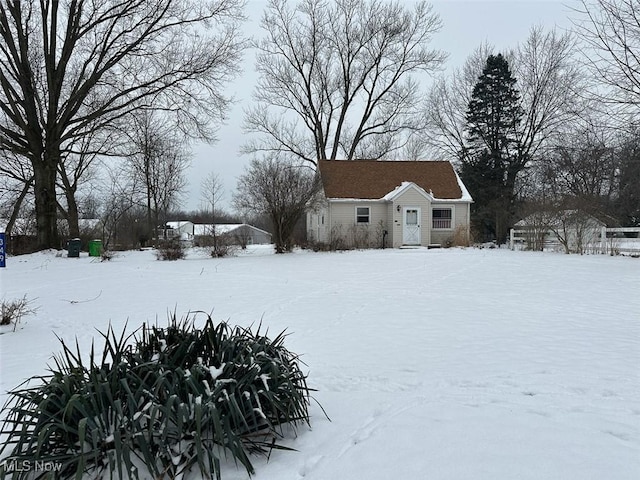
column 265, row 381
column 404, row 186
column 444, row 364
column 466, row 196
column 216, row 372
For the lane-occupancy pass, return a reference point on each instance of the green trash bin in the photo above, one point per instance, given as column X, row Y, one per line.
column 73, row 247
column 95, row 248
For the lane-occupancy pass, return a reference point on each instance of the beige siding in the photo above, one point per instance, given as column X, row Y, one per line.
column 411, row 198
column 462, row 214
column 460, row 218
column 343, row 225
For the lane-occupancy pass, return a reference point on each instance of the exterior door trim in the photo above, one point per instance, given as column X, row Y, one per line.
column 411, row 226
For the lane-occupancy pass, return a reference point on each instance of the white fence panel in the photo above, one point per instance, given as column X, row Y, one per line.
column 618, row 240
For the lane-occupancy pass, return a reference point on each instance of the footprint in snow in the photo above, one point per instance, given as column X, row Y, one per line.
column 309, row 465
column 363, row 433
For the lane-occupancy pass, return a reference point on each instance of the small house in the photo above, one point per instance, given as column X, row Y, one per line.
column 368, row 203
column 182, row 230
column 234, row 233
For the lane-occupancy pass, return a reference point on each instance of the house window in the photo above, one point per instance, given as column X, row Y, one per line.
column 412, row 217
column 362, row 215
column 442, row 218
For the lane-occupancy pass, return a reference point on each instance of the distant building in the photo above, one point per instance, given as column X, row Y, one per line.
column 182, row 230
column 236, row 233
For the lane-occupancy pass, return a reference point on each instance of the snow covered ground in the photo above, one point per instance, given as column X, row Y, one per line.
column 435, row 364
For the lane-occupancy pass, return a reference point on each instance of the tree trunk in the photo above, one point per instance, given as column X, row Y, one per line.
column 278, row 239
column 45, row 172
column 72, row 214
column 16, row 207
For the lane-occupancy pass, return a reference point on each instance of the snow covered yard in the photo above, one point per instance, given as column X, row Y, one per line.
column 435, row 364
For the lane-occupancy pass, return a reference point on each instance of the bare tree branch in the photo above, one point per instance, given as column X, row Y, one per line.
column 281, row 189
column 611, row 31
column 335, row 75
column 67, row 68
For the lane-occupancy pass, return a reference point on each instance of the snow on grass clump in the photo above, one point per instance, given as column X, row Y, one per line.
column 177, row 398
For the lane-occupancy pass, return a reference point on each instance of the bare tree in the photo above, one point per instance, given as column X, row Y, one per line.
column 551, row 87
column 69, row 67
column 211, row 191
column 280, row 189
column 578, row 182
column 581, row 172
column 337, row 79
column 586, row 171
column 611, row 28
column 119, row 198
column 446, row 106
column 158, row 162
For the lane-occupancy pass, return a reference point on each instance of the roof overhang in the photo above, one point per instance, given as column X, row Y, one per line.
column 399, row 191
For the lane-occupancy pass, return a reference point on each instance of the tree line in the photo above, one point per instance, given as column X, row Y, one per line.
column 102, row 101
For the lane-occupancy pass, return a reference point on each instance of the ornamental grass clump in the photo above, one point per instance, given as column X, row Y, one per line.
column 161, row 402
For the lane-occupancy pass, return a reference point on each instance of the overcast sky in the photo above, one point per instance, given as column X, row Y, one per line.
column 466, row 24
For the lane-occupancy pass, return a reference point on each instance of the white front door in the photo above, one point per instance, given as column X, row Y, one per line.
column 411, row 226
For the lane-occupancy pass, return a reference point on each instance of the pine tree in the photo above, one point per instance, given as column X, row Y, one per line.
column 493, row 155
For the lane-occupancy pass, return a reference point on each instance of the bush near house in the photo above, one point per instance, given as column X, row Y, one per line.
column 161, row 402
column 172, row 249
column 460, row 238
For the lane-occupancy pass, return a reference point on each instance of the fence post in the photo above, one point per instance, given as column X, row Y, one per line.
column 511, row 239
column 603, row 240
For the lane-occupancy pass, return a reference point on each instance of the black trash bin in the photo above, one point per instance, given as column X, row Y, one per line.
column 73, row 247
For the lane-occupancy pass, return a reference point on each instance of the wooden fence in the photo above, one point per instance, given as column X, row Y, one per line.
column 613, row 241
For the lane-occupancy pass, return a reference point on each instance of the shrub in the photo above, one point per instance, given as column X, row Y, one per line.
column 223, row 247
column 171, row 250
column 174, row 398
column 336, row 242
column 360, row 236
column 12, row 311
column 106, row 255
column 460, row 238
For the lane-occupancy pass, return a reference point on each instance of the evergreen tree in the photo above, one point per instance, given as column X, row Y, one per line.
column 493, row 155
column 628, row 201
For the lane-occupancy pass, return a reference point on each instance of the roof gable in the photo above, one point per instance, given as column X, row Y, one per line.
column 396, row 192
column 374, row 179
